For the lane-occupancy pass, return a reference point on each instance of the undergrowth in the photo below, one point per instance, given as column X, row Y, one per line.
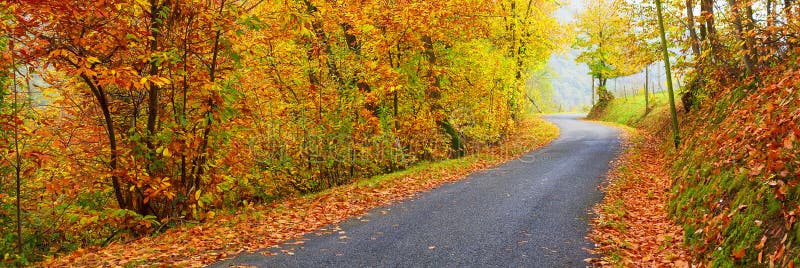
column 737, row 195
column 736, row 190
column 274, row 223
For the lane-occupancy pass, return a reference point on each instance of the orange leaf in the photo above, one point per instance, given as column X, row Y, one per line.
column 761, row 243
column 738, row 254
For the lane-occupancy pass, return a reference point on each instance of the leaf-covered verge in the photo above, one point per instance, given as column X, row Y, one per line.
column 737, row 170
column 738, row 196
column 632, row 227
column 735, row 189
column 262, row 226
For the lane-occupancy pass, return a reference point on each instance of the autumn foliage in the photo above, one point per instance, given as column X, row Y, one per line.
column 736, row 193
column 137, row 115
column 739, row 192
column 736, row 187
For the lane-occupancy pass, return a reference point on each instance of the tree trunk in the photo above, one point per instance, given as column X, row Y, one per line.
column 435, row 94
column 108, row 124
column 603, row 95
column 740, row 35
column 152, row 103
column 18, row 156
column 695, row 40
column 592, row 90
column 707, row 10
column 751, row 39
column 646, row 94
column 688, row 95
column 200, row 161
column 675, row 132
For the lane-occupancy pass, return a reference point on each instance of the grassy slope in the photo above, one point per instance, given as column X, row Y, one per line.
column 739, row 191
column 737, row 173
column 263, row 226
column 630, row 111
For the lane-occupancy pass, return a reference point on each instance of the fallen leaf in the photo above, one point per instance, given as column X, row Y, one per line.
column 761, row 243
column 738, row 254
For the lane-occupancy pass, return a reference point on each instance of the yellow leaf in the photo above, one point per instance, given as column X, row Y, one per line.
column 93, row 60
column 166, row 152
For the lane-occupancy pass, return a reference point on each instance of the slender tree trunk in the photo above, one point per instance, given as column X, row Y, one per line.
column 689, row 93
column 17, row 155
column 707, row 10
column 751, row 39
column 624, row 93
column 770, row 12
column 152, row 103
column 435, row 94
column 592, row 90
column 675, row 132
column 100, row 96
column 646, row 94
column 200, row 161
column 692, row 32
column 395, row 104
column 787, row 9
column 740, row 35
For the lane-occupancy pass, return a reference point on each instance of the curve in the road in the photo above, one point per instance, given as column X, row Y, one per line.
column 530, row 212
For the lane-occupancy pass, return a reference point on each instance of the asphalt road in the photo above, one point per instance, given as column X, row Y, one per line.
column 530, row 212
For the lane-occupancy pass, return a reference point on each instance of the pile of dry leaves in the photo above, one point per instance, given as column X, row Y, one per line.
column 632, row 227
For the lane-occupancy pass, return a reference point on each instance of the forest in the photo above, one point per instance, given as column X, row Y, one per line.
column 130, row 123
column 124, row 118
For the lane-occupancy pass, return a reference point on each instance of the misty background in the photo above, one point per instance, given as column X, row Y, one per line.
column 571, row 81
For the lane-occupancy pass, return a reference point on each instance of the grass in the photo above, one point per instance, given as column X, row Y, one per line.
column 631, row 110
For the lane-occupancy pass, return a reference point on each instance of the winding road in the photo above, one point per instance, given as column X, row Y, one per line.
column 530, row 212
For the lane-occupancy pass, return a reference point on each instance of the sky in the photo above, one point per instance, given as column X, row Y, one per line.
column 569, row 9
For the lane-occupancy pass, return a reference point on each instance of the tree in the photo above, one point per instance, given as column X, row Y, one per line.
column 529, row 39
column 602, row 34
column 664, row 48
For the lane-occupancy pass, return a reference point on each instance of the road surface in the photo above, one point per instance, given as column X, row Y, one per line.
column 530, row 212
